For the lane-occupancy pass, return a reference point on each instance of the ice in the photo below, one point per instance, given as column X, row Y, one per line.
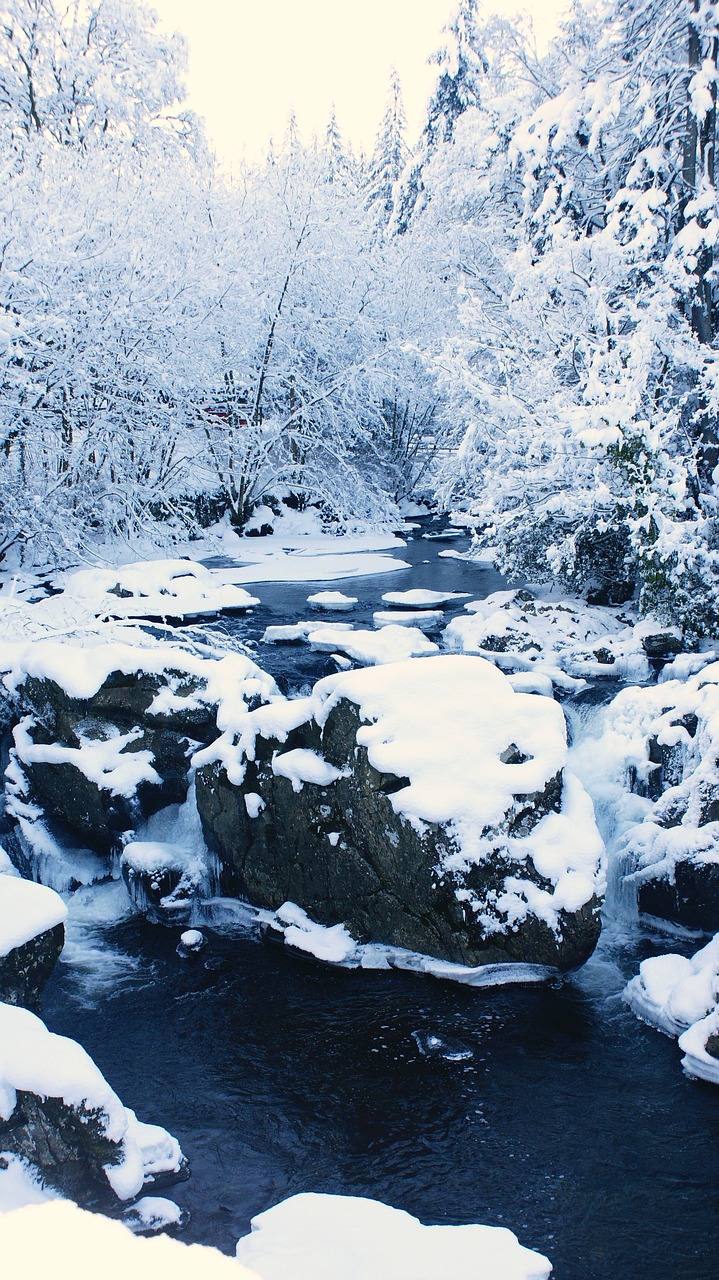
column 26, row 910
column 418, row 598
column 425, row 619
column 332, row 600
column 327, row 1237
column 697, row 1061
column 332, row 944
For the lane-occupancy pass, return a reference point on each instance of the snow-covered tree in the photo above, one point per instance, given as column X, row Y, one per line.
column 389, row 158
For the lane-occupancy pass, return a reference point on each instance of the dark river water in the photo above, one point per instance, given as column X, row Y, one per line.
column 551, row 1111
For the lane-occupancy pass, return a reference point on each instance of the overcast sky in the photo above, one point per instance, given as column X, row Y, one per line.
column 251, row 63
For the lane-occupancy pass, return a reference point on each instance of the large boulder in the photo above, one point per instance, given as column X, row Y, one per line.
column 423, row 803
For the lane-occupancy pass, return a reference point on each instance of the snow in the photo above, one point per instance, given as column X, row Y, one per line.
column 297, row 632
column 26, row 910
column 332, row 600
column 302, row 766
column 153, row 1213
column 333, row 944
column 20, row 1185
column 326, row 1237
column 418, row 598
column 672, row 991
column 61, row 1239
column 104, row 762
column 697, row 1062
column 565, row 639
column 155, row 589
column 192, row 939
column 309, row 566
column 388, row 645
column 37, row 1061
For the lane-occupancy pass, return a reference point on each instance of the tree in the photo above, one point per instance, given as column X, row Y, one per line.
column 389, row 158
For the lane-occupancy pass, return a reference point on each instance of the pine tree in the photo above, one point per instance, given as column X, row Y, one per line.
column 390, row 156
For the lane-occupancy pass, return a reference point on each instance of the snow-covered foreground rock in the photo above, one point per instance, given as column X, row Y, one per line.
column 680, row 996
column 566, row 639
column 60, row 1239
column 422, row 804
column 325, row 1237
column 59, row 1115
column 32, row 934
column 308, row 1237
column 655, row 763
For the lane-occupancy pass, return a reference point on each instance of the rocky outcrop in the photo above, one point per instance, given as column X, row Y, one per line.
column 66, row 1145
column 106, row 739
column 420, row 855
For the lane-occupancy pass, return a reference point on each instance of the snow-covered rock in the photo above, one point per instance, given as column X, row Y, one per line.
column 566, row 639
column 32, row 934
column 156, row 589
column 327, row 1237
column 680, row 996
column 60, row 1116
column 660, row 744
column 389, row 644
column 333, row 600
column 110, row 727
column 456, row 832
column 425, row 619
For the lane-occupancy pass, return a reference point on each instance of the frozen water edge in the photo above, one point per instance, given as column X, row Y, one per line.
column 333, row 944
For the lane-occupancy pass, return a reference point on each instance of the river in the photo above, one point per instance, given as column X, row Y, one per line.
column 551, row 1111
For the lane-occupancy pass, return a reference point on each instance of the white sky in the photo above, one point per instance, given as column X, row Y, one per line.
column 252, row 62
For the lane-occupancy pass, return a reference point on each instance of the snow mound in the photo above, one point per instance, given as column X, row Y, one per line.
column 677, row 995
column 388, row 645
column 418, row 598
column 332, row 600
column 156, row 589
column 26, row 910
column 297, row 632
column 327, row 1237
column 60, row 1239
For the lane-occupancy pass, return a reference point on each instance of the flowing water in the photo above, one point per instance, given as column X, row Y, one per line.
column 551, row 1111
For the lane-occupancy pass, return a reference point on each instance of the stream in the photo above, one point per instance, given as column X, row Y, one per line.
column 548, row 1110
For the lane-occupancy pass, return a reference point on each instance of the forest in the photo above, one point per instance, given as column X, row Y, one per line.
column 512, row 317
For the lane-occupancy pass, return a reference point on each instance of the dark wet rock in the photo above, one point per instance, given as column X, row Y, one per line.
column 690, row 899
column 67, row 1145
column 663, row 644
column 25, row 970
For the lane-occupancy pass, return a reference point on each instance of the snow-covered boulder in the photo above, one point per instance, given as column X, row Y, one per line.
column 680, row 996
column 110, row 727
column 59, row 1116
column 335, row 601
column 156, row 589
column 392, row 643
column 566, row 639
column 32, row 935
column 328, row 1237
column 423, row 804
column 662, row 743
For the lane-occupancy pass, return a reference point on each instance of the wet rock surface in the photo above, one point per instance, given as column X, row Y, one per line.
column 24, row 971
